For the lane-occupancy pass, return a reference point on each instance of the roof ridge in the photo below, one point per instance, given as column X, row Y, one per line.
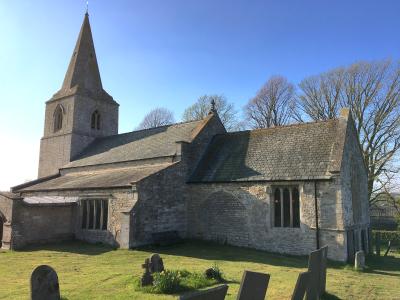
column 280, row 127
column 152, row 128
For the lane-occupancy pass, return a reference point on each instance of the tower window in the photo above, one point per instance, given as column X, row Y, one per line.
column 58, row 118
column 95, row 122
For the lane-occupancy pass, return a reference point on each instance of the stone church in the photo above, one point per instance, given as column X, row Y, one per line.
column 287, row 189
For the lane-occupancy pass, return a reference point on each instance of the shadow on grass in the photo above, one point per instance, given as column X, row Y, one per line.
column 77, row 247
column 328, row 296
column 216, row 252
column 380, row 265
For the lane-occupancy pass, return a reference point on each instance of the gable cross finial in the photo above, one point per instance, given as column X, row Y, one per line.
column 213, row 110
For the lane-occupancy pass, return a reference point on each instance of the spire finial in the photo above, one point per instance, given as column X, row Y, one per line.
column 213, row 110
column 87, row 7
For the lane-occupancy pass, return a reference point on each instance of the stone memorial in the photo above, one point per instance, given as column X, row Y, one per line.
column 147, row 278
column 156, row 264
column 302, row 283
column 44, row 284
column 253, row 286
column 217, row 293
column 359, row 262
column 317, row 263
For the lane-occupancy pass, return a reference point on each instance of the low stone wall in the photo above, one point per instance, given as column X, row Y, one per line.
column 42, row 224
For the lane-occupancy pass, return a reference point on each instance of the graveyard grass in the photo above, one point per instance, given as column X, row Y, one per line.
column 99, row 272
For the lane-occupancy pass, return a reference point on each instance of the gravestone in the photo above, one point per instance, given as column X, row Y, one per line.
column 217, row 293
column 324, row 260
column 253, row 286
column 302, row 284
column 359, row 262
column 156, row 264
column 44, row 284
column 147, row 278
column 317, row 267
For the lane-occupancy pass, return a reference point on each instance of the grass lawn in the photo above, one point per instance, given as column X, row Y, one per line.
column 98, row 272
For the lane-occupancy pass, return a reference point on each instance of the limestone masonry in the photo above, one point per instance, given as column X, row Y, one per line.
column 286, row 189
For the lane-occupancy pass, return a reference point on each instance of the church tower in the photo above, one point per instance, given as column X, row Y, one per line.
column 79, row 112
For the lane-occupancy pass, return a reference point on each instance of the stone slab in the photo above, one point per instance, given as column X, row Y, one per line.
column 253, row 286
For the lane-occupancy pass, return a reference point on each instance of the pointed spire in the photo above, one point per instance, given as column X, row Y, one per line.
column 83, row 71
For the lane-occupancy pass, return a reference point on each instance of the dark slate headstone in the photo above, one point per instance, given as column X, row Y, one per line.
column 322, row 279
column 314, row 267
column 302, row 284
column 156, row 264
column 253, row 286
column 147, row 278
column 217, row 293
column 44, row 284
column 317, row 263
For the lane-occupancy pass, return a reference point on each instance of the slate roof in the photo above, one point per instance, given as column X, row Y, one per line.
column 294, row 152
column 108, row 178
column 137, row 145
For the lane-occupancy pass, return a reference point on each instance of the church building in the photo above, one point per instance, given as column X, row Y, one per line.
column 287, row 189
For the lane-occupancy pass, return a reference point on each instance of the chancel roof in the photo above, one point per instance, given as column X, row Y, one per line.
column 294, row 152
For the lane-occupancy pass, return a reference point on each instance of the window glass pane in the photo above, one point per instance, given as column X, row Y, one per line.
column 98, row 121
column 105, row 214
column 277, row 207
column 98, row 214
column 91, row 214
column 296, row 207
column 84, row 214
column 286, row 207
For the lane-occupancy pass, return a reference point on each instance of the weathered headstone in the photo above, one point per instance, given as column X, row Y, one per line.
column 147, row 278
column 44, row 284
column 156, row 264
column 253, row 286
column 324, row 260
column 217, row 293
column 302, row 283
column 359, row 262
column 317, row 267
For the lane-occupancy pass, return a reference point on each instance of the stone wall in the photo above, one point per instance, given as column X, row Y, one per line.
column 161, row 205
column 41, row 224
column 65, row 221
column 6, row 205
column 58, row 148
column 241, row 214
column 354, row 190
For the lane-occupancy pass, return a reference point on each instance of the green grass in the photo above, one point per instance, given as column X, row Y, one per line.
column 98, row 272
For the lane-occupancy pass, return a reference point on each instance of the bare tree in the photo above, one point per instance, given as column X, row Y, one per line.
column 273, row 105
column 225, row 110
column 372, row 91
column 157, row 117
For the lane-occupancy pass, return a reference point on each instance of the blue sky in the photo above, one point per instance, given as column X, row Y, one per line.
column 169, row 52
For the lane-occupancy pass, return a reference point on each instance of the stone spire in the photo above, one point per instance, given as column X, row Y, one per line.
column 83, row 74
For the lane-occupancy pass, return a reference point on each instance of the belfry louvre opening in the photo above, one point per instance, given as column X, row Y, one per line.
column 94, row 214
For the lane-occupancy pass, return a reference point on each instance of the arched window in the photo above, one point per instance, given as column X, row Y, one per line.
column 95, row 122
column 58, row 118
column 286, row 207
column 277, row 207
